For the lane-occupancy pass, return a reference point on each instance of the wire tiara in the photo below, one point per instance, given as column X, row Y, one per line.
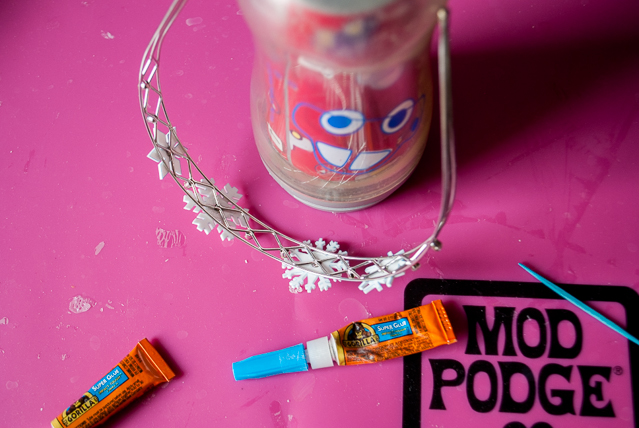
column 217, row 208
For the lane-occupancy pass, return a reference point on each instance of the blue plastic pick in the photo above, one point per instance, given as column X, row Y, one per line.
column 581, row 305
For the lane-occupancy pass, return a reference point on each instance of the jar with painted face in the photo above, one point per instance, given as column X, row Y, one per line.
column 341, row 95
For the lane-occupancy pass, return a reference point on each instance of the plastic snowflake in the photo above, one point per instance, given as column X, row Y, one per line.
column 378, row 284
column 167, row 147
column 299, row 277
column 205, row 220
column 169, row 151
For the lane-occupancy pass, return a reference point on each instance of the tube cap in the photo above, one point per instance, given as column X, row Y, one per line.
column 319, row 353
column 288, row 360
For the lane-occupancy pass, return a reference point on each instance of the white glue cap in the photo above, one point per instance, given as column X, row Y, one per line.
column 318, row 353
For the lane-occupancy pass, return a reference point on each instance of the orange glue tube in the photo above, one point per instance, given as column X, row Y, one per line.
column 138, row 372
column 362, row 342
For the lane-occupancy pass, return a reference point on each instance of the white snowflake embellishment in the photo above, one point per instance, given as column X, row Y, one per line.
column 166, row 146
column 316, row 262
column 378, row 284
column 168, row 151
column 205, row 220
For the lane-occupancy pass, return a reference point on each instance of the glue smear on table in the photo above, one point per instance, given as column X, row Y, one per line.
column 80, row 304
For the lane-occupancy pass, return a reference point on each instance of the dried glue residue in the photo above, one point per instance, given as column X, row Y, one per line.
column 352, row 310
column 80, row 304
column 170, row 238
column 278, row 419
column 99, row 248
column 290, row 204
column 11, row 385
column 303, row 386
column 194, row 21
column 95, row 343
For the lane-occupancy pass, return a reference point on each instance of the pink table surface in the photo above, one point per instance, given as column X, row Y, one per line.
column 546, row 100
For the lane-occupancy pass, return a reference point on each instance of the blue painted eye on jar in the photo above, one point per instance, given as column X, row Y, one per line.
column 397, row 118
column 342, row 122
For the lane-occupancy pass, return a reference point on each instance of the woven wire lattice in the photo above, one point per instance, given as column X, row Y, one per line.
column 216, row 207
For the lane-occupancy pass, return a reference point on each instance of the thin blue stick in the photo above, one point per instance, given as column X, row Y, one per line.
column 581, row 305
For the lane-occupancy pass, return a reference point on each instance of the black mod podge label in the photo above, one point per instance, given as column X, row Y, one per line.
column 525, row 358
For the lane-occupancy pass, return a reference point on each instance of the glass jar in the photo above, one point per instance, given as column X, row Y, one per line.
column 341, row 95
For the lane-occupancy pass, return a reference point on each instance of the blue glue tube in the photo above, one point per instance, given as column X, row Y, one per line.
column 361, row 342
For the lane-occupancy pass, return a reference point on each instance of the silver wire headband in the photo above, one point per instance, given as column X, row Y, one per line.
column 217, row 208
